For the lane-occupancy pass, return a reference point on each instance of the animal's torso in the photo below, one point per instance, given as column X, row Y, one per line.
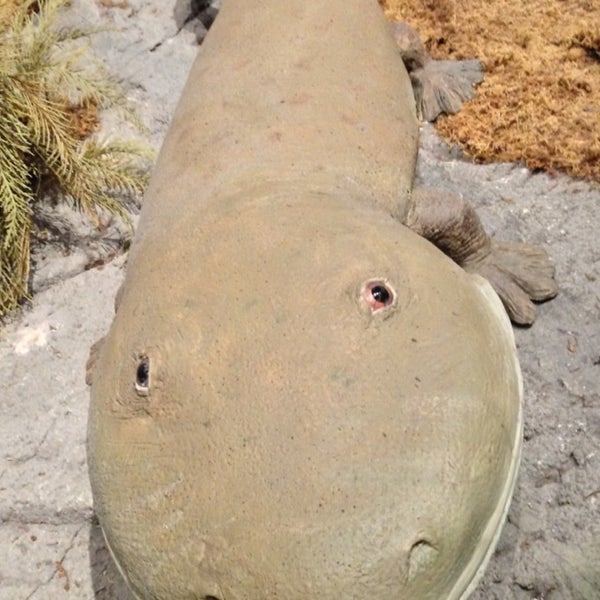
column 277, row 94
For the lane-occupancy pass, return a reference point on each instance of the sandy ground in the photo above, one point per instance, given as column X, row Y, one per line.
column 50, row 544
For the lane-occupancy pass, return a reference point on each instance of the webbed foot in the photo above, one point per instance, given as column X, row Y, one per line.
column 520, row 274
column 442, row 86
column 439, row 86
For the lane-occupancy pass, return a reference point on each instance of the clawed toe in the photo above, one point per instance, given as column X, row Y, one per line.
column 516, row 301
column 530, row 268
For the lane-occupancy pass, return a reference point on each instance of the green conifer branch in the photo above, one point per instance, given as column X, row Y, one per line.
column 45, row 70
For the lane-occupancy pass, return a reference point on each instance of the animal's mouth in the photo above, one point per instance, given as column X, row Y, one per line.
column 118, row 565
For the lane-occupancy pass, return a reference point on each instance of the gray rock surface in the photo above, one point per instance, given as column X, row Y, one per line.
column 50, row 545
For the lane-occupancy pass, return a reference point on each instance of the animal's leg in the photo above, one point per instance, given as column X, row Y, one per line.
column 518, row 272
column 440, row 86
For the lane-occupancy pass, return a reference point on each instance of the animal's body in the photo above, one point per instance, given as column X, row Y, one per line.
column 300, row 396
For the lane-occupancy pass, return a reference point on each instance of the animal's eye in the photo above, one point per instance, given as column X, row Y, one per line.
column 378, row 294
column 142, row 376
column 381, row 294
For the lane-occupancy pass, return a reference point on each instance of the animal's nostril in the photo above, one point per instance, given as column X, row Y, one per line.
column 421, row 557
column 211, row 598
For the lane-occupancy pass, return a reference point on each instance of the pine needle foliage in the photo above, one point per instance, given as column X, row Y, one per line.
column 46, row 74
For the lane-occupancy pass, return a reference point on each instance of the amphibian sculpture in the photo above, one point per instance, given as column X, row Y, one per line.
column 300, row 395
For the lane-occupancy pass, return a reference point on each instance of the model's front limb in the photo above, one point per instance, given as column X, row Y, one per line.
column 439, row 86
column 520, row 273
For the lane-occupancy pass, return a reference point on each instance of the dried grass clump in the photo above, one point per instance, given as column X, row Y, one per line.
column 540, row 101
column 50, row 93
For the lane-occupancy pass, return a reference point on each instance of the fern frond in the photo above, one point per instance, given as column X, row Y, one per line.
column 15, row 211
column 46, row 74
column 15, row 190
column 115, row 149
column 51, row 130
column 14, row 271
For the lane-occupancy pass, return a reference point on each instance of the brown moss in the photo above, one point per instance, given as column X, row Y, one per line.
column 8, row 8
column 540, row 101
column 85, row 117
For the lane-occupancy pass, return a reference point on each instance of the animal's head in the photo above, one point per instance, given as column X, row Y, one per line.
column 298, row 399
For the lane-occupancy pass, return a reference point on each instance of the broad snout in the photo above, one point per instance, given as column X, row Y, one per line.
column 337, row 419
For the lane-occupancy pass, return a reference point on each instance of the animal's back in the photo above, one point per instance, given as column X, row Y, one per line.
column 278, row 94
